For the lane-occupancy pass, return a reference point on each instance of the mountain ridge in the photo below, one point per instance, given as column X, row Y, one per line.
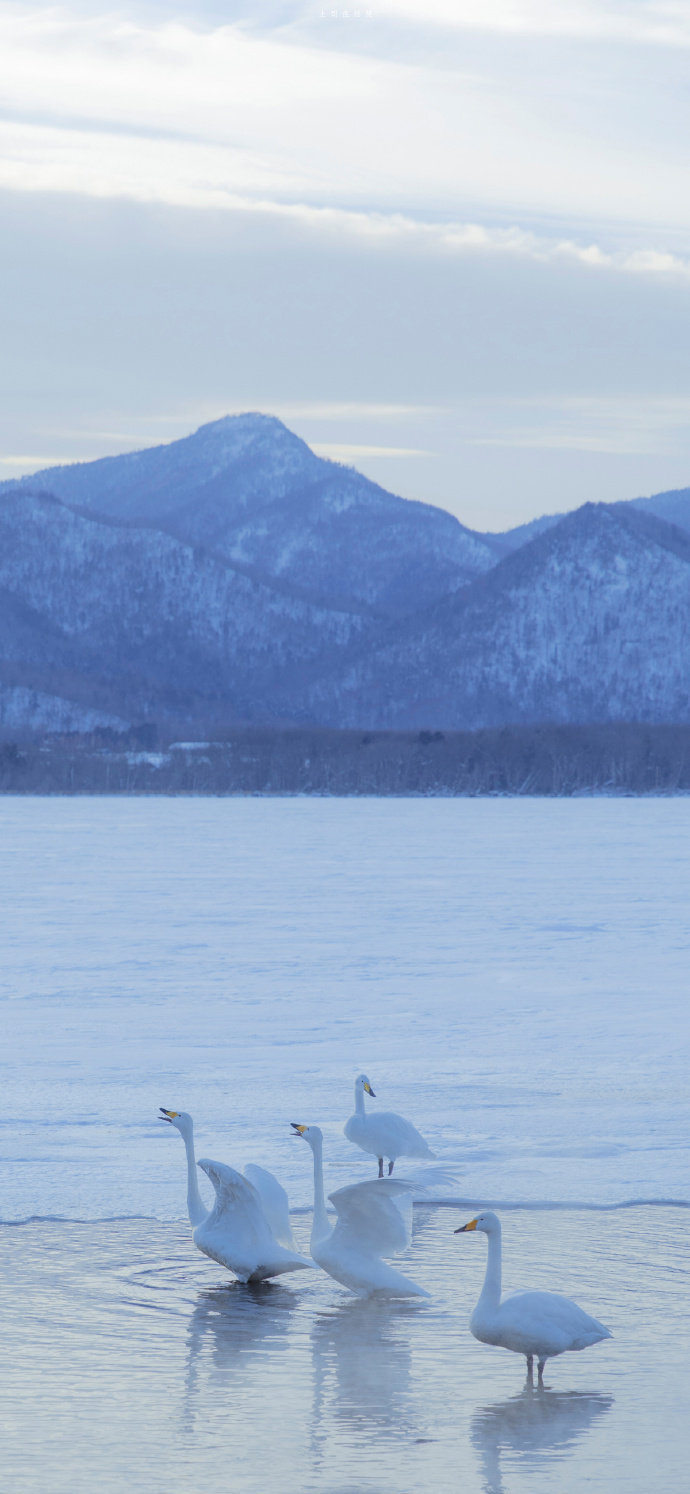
column 248, row 489
column 236, row 576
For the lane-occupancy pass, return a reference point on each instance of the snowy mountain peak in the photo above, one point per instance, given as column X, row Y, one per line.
column 251, row 421
column 236, row 433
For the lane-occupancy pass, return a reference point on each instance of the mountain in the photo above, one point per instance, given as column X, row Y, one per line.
column 514, row 539
column 588, row 622
column 133, row 623
column 673, row 506
column 250, row 491
column 235, row 576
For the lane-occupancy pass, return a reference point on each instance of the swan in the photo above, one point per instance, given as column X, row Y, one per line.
column 369, row 1225
column 237, row 1234
column 384, row 1135
column 248, row 1228
column 536, row 1324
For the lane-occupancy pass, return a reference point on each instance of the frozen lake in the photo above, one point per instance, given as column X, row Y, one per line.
column 512, row 975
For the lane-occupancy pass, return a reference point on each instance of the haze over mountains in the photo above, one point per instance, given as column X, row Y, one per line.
column 234, row 575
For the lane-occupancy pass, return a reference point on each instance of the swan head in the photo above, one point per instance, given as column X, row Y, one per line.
column 361, row 1082
column 488, row 1223
column 311, row 1134
column 179, row 1119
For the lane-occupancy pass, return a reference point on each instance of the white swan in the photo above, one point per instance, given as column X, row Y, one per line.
column 384, row 1135
column 369, row 1226
column 248, row 1228
column 536, row 1324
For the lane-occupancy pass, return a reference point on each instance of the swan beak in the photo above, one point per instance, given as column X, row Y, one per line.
column 299, row 1129
column 464, row 1227
column 167, row 1115
column 369, row 1091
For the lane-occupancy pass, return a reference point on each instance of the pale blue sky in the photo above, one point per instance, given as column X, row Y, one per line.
column 448, row 242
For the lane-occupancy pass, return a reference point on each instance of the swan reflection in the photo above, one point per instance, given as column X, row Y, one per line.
column 230, row 1324
column 533, row 1423
column 362, row 1365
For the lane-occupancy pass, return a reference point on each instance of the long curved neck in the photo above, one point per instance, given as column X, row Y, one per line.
column 359, row 1100
column 320, row 1223
column 491, row 1291
column 196, row 1207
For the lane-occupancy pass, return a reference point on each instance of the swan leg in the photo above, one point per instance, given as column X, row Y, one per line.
column 530, row 1367
column 540, row 1368
column 391, row 1165
column 380, row 1167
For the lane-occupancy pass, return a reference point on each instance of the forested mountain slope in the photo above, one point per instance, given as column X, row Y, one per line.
column 589, row 622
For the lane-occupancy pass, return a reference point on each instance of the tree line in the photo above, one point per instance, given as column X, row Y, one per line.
column 549, row 759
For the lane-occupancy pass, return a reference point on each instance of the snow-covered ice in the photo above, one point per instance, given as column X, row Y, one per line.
column 511, row 974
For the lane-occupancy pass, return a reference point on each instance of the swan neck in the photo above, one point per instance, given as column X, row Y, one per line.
column 359, row 1100
column 320, row 1223
column 491, row 1290
column 195, row 1205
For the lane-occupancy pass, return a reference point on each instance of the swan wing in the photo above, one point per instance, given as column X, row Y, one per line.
column 551, row 1320
column 238, row 1208
column 406, row 1134
column 386, row 1135
column 275, row 1202
column 370, row 1219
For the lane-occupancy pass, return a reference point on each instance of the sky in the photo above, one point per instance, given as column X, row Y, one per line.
column 447, row 242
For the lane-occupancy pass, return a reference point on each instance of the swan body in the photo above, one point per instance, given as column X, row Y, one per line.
column 248, row 1229
column 537, row 1324
column 370, row 1224
column 384, row 1135
column 237, row 1234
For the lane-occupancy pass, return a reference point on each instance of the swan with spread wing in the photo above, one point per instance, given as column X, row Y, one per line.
column 248, row 1228
column 370, row 1224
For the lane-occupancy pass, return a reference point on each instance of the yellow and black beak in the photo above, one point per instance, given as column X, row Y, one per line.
column 465, row 1227
column 299, row 1130
column 369, row 1091
column 167, row 1115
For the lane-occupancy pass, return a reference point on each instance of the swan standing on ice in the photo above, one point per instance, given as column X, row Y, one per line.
column 536, row 1324
column 369, row 1225
column 248, row 1228
column 384, row 1135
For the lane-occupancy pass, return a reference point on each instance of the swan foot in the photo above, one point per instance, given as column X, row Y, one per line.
column 391, row 1165
column 380, row 1167
column 540, row 1371
column 530, row 1368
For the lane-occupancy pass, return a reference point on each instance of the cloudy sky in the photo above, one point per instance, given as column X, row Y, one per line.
column 447, row 241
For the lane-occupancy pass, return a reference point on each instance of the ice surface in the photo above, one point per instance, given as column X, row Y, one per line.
column 512, row 975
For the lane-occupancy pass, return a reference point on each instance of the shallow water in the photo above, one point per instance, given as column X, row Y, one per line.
column 135, row 1365
column 511, row 974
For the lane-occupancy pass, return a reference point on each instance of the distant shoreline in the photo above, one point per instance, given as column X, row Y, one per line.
column 550, row 760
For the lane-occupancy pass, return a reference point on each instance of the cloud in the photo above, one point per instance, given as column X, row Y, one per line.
column 349, row 452
column 350, row 410
column 21, row 464
column 626, row 426
column 195, row 115
column 185, row 174
column 656, row 22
